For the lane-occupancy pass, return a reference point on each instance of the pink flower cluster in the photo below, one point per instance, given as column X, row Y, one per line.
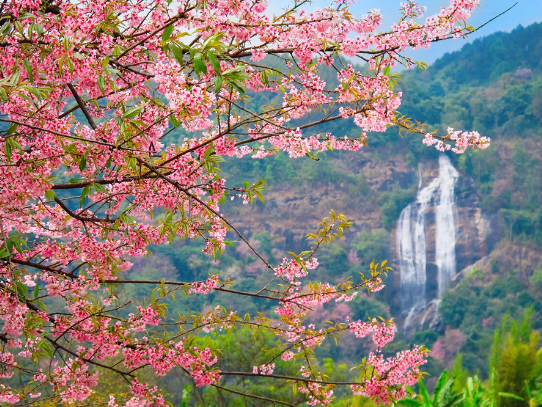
column 163, row 358
column 86, row 186
column 393, row 374
column 462, row 140
column 7, row 363
column 74, row 381
column 287, row 356
column 383, row 333
column 290, row 269
column 264, row 369
column 8, row 395
column 203, row 287
column 144, row 396
column 318, row 393
column 375, row 285
column 13, row 314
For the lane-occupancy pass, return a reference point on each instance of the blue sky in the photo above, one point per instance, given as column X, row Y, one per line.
column 525, row 13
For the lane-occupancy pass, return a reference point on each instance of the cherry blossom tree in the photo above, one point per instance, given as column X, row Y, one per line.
column 90, row 91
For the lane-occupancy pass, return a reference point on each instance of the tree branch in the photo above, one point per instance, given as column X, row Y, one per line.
column 253, row 396
column 79, row 217
column 82, row 106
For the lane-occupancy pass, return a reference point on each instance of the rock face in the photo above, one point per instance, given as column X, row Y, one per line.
column 289, row 213
column 441, row 233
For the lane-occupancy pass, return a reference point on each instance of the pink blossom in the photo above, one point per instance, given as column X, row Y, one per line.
column 90, row 185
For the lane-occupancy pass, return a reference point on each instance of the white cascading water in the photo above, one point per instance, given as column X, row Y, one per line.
column 411, row 239
column 445, row 247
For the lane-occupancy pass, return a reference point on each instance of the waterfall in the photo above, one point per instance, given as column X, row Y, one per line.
column 411, row 240
column 411, row 247
column 445, row 245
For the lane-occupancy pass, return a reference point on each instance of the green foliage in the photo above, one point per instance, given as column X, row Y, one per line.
column 515, row 379
column 444, row 394
column 514, row 360
column 392, row 203
column 479, row 301
column 459, row 374
column 372, row 245
column 536, row 281
column 244, row 352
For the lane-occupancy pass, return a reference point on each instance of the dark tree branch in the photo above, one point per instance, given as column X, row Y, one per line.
column 82, row 106
column 79, row 217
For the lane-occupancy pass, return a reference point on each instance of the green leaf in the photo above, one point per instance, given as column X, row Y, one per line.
column 3, row 252
column 70, row 64
column 34, row 91
column 24, row 96
column 66, row 43
column 219, row 80
column 83, row 162
column 200, row 67
column 264, row 77
column 237, row 70
column 410, row 402
column 174, row 120
column 11, row 144
column 75, row 180
column 39, row 29
column 46, row 348
column 212, row 39
column 259, row 195
column 7, row 149
column 50, row 195
column 511, row 396
column 19, row 243
column 9, row 245
column 208, row 152
column 12, row 129
column 132, row 162
column 22, row 289
column 28, row 69
column 177, row 51
column 132, row 112
column 14, row 79
column 213, row 61
column 424, row 393
column 99, row 187
column 238, row 87
column 105, row 62
column 167, row 32
column 5, row 28
column 86, row 192
column 69, row 148
column 101, row 83
column 37, row 291
column 40, row 305
column 440, row 383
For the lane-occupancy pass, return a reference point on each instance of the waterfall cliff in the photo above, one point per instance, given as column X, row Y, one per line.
column 412, row 241
column 445, row 245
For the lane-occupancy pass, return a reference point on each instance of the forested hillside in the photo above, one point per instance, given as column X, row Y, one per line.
column 494, row 86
